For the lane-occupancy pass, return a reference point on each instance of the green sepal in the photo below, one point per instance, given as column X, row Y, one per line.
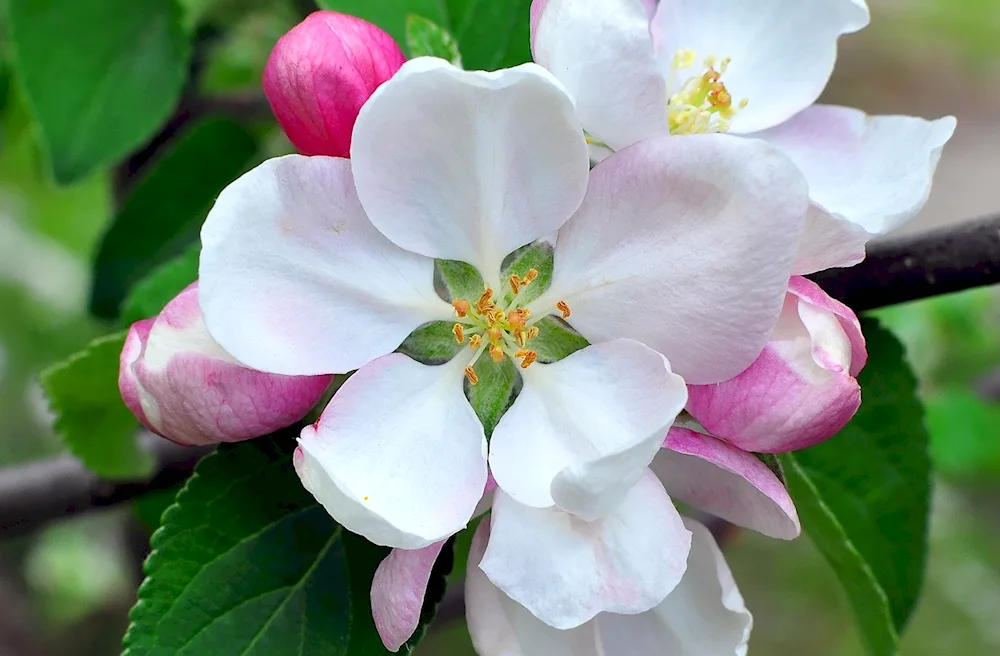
column 432, row 343
column 556, row 340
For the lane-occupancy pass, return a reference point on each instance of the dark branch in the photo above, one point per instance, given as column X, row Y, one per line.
column 34, row 494
column 911, row 267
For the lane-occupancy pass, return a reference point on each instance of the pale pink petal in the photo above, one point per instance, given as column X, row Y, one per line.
column 398, row 456
column 685, row 245
column 815, row 297
column 727, row 482
column 566, row 570
column 398, row 591
column 829, row 242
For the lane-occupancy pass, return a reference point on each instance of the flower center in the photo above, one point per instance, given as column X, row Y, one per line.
column 499, row 324
column 702, row 104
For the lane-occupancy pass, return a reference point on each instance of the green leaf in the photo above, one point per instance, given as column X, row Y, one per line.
column 99, row 75
column 432, row 343
column 458, row 280
column 164, row 214
column 863, row 497
column 498, row 385
column 90, row 414
column 556, row 340
column 539, row 256
column 390, row 15
column 246, row 562
column 964, row 431
column 491, row 35
column 152, row 293
column 428, row 39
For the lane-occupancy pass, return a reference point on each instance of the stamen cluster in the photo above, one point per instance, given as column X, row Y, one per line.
column 703, row 104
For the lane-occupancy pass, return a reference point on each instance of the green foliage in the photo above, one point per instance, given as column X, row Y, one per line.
column 431, row 343
column 863, row 497
column 90, row 414
column 152, row 293
column 163, row 216
column 964, row 430
column 100, row 76
column 490, row 35
column 246, row 562
column 425, row 38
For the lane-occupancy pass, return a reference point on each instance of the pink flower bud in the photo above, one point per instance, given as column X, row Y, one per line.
column 320, row 74
column 802, row 388
column 180, row 383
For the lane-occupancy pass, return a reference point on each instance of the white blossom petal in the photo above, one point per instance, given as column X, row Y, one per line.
column 584, row 429
column 602, row 51
column 685, row 245
column 469, row 165
column 871, row 171
column 782, row 51
column 566, row 570
column 295, row 280
column 398, row 455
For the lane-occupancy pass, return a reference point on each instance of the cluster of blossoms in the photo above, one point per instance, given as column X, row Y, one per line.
column 716, row 184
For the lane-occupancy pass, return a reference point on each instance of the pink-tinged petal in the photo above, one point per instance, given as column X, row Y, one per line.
column 469, row 165
column 398, row 591
column 704, row 616
column 871, row 171
column 801, row 390
column 583, row 430
column 829, row 242
column 566, row 570
column 782, row 51
column 398, row 455
column 320, row 74
column 685, row 245
column 182, row 385
column 501, row 627
column 602, row 52
column 296, row 280
column 727, row 482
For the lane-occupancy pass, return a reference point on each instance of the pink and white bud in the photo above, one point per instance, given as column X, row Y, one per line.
column 320, row 74
column 801, row 390
column 180, row 383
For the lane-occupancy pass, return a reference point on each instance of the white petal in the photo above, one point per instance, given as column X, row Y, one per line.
column 469, row 165
column 565, row 570
column 872, row 171
column 782, row 51
column 583, row 430
column 685, row 245
column 602, row 51
column 398, row 456
column 294, row 279
column 502, row 627
column 703, row 616
column 727, row 482
column 828, row 241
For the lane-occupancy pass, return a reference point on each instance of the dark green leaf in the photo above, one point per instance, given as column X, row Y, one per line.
column 491, row 35
column 90, row 414
column 152, row 293
column 246, row 562
column 164, row 214
column 556, row 340
column 390, row 15
column 458, row 280
column 964, row 430
column 492, row 395
column 428, row 39
column 538, row 256
column 863, row 496
column 100, row 75
column 431, row 343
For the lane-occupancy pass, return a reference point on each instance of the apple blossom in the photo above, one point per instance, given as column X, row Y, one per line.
column 676, row 250
column 320, row 74
column 801, row 390
column 182, row 385
column 752, row 69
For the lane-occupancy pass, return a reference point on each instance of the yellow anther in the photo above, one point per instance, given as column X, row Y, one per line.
column 527, row 357
column 470, row 373
column 683, row 58
column 496, row 353
column 701, row 103
column 365, row 498
column 485, row 302
column 496, row 316
column 515, row 284
column 533, row 332
column 521, row 337
column 528, row 277
column 459, row 332
column 563, row 307
column 475, row 341
column 461, row 307
column 494, row 335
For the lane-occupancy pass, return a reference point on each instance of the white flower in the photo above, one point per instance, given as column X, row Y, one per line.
column 752, row 69
column 680, row 250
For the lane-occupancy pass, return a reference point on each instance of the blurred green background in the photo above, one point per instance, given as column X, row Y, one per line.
column 67, row 589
